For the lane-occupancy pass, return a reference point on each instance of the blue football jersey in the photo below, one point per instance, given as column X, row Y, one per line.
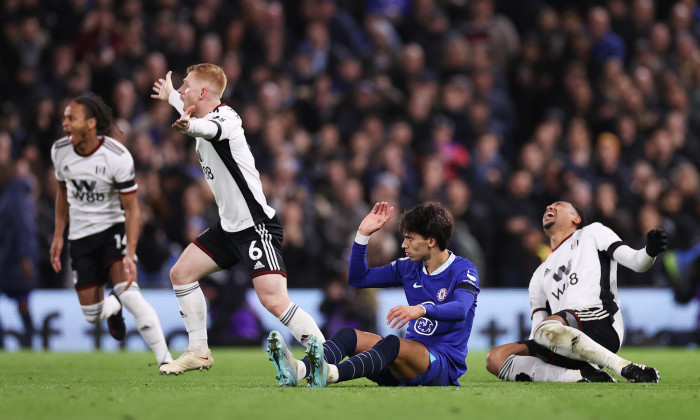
column 447, row 335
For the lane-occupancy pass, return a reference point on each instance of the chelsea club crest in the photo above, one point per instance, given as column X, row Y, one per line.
column 441, row 294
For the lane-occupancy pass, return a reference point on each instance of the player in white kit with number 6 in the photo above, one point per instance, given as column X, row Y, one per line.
column 248, row 231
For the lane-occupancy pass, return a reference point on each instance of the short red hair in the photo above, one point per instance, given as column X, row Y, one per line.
column 211, row 74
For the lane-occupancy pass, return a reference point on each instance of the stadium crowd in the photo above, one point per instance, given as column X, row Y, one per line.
column 494, row 108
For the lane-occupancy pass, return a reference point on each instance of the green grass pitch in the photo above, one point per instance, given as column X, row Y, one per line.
column 241, row 385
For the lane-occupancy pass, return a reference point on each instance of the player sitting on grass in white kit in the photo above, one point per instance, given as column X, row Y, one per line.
column 576, row 318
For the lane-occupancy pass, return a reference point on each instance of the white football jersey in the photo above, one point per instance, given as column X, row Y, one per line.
column 579, row 274
column 229, row 169
column 93, row 184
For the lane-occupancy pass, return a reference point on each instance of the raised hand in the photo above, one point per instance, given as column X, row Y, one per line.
column 163, row 87
column 656, row 242
column 183, row 124
column 380, row 214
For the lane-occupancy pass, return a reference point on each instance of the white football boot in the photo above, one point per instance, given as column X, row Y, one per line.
column 188, row 361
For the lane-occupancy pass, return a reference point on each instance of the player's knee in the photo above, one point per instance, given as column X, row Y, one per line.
column 494, row 360
column 178, row 275
column 548, row 333
column 346, row 332
column 276, row 304
column 389, row 346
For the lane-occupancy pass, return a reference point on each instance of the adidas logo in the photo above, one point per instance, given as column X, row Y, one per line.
column 258, row 265
column 65, row 169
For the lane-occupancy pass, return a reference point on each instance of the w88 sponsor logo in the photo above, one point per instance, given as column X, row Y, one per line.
column 84, row 191
column 89, row 196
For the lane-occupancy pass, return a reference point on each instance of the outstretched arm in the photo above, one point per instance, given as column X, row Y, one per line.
column 163, row 87
column 641, row 260
column 165, row 91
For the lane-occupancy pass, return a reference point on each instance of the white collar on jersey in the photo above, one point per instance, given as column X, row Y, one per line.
column 443, row 267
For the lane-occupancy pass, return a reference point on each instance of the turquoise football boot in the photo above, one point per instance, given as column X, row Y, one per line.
column 318, row 377
column 283, row 360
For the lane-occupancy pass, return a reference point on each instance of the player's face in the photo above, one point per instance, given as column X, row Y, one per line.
column 416, row 246
column 560, row 213
column 76, row 125
column 190, row 90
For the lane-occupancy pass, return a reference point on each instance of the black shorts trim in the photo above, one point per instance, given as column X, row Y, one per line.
column 203, row 248
column 571, row 318
column 258, row 248
column 262, row 273
column 114, row 261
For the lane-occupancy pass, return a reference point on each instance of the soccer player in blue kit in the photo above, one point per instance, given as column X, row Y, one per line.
column 441, row 290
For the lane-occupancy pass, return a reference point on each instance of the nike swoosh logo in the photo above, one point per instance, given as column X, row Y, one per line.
column 417, row 286
column 471, row 277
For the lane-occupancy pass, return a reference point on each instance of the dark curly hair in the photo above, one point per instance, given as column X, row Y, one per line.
column 430, row 220
column 96, row 108
column 579, row 210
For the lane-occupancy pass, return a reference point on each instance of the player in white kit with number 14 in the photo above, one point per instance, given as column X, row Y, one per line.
column 248, row 232
column 97, row 194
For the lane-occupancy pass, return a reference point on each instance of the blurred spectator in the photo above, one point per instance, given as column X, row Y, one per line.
column 18, row 243
column 606, row 43
column 301, row 250
column 234, row 322
column 489, row 167
column 338, row 225
column 492, row 31
column 469, row 221
column 518, row 216
column 343, row 306
column 412, row 99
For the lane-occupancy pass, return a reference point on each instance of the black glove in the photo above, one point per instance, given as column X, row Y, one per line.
column 656, row 242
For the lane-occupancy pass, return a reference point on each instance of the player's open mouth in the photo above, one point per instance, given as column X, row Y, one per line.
column 549, row 214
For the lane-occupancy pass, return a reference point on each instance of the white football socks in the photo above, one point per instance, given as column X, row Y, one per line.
column 574, row 344
column 300, row 323
column 146, row 320
column 536, row 370
column 101, row 310
column 332, row 374
column 193, row 309
column 301, row 370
